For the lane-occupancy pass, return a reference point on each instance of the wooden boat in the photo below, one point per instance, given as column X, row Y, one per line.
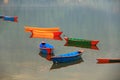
column 81, row 46
column 78, row 42
column 30, row 28
column 45, row 55
column 48, row 35
column 46, row 48
column 10, row 18
column 62, row 65
column 108, row 60
column 67, row 57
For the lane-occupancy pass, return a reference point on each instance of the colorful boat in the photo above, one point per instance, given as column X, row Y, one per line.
column 62, row 65
column 45, row 55
column 108, row 60
column 30, row 28
column 80, row 42
column 48, row 35
column 67, row 57
column 46, row 48
column 10, row 18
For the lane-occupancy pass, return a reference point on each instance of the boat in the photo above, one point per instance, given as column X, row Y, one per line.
column 81, row 42
column 46, row 48
column 63, row 65
column 45, row 55
column 10, row 18
column 67, row 57
column 31, row 28
column 108, row 60
column 48, row 35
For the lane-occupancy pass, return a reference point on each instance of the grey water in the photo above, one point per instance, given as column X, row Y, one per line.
column 85, row 19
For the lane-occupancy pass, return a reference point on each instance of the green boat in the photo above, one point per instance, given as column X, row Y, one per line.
column 77, row 42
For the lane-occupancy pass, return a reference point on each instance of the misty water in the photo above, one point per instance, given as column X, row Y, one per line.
column 85, row 19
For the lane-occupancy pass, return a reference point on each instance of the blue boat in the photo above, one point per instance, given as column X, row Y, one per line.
column 46, row 56
column 46, row 48
column 10, row 18
column 67, row 57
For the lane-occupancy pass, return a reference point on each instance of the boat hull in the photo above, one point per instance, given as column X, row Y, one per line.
column 10, row 18
column 81, row 42
column 68, row 57
column 48, row 35
column 108, row 60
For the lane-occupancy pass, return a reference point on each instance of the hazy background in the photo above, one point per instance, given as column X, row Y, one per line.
column 86, row 19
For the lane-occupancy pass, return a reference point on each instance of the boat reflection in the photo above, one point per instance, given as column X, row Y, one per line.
column 61, row 65
column 82, row 46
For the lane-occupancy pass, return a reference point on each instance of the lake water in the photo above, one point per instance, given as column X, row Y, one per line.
column 86, row 19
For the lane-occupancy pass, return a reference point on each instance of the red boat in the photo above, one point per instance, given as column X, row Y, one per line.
column 108, row 60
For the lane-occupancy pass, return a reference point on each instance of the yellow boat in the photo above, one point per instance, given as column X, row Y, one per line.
column 44, row 34
column 30, row 28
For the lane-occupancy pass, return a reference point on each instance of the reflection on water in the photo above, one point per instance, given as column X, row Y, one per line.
column 62, row 65
column 83, row 46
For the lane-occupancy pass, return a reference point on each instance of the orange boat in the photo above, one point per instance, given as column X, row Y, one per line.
column 44, row 34
column 30, row 28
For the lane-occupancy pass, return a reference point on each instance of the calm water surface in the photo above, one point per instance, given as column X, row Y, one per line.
column 86, row 19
